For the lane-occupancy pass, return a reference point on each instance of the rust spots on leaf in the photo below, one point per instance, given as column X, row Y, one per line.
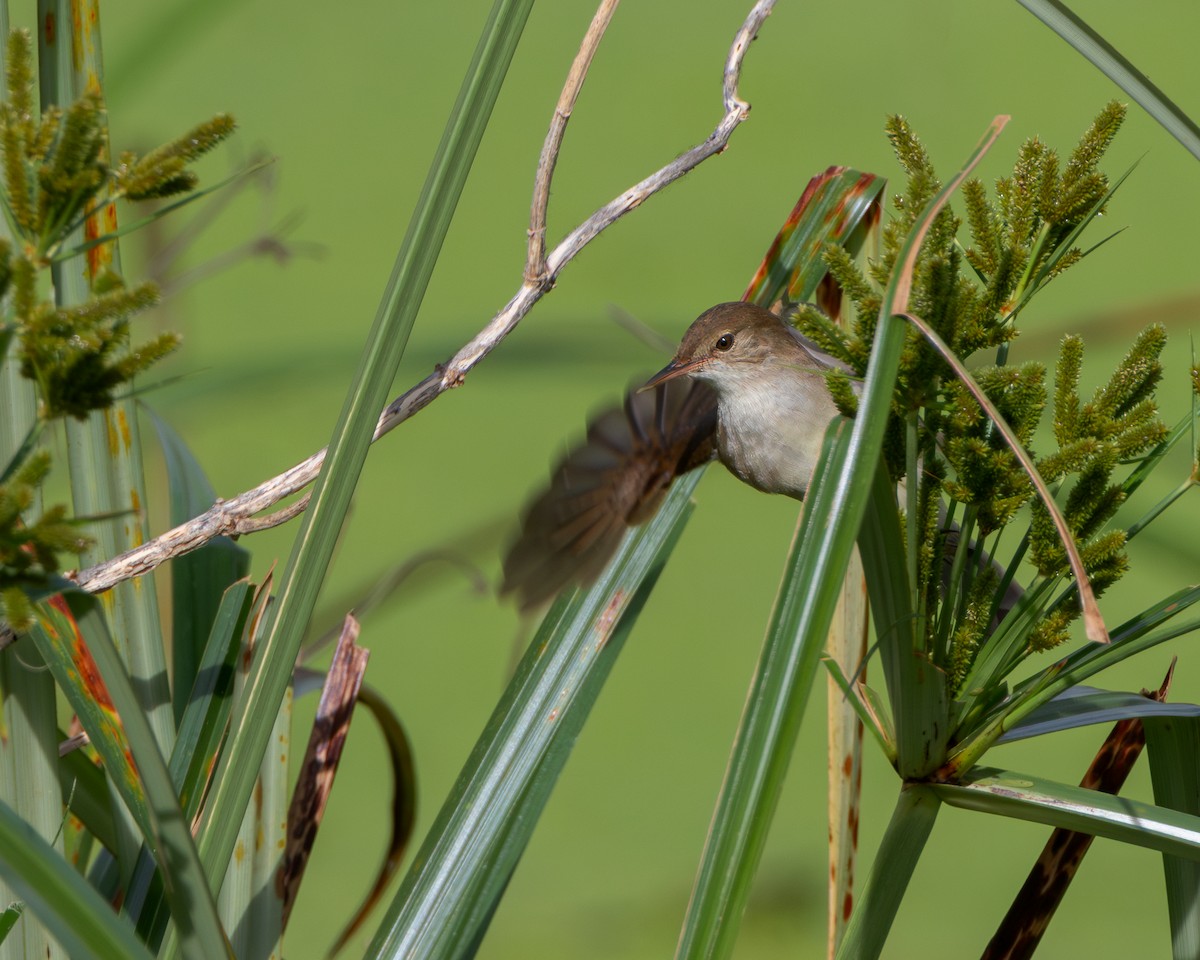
column 134, row 527
column 110, row 218
column 123, row 428
column 786, row 231
column 846, row 201
column 111, row 435
column 83, row 661
column 85, row 27
column 49, row 29
column 95, row 226
column 868, row 217
column 847, row 906
column 607, row 620
column 90, row 674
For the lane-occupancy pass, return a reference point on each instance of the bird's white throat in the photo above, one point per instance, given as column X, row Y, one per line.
column 765, row 422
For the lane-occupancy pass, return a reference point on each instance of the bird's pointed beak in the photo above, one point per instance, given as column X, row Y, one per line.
column 672, row 370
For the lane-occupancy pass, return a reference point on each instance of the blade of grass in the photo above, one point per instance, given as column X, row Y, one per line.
column 912, row 822
column 1129, row 639
column 104, row 451
column 1082, row 706
column 866, row 704
column 847, row 643
column 74, row 641
column 925, row 709
column 209, row 704
column 60, row 645
column 28, row 749
column 29, row 723
column 29, row 770
column 836, row 505
column 196, row 747
column 917, row 690
column 63, row 901
column 250, row 902
column 265, row 913
column 1037, row 800
column 447, row 898
column 8, row 919
column 198, row 579
column 774, row 709
column 160, row 212
column 274, row 657
column 1173, row 744
column 83, row 781
column 21, row 407
column 838, row 206
column 1060, row 18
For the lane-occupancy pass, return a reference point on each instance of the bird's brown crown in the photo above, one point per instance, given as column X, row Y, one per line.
column 732, row 332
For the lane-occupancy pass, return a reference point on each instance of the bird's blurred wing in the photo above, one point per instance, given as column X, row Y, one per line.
column 615, row 479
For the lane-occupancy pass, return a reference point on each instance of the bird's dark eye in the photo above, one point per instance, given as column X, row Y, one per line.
column 724, row 342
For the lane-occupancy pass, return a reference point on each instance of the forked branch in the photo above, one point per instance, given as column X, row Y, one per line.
column 237, row 515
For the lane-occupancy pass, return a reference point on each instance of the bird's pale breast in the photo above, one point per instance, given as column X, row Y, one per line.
column 770, row 428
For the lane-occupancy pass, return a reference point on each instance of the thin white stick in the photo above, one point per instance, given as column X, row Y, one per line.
column 236, row 516
column 535, row 260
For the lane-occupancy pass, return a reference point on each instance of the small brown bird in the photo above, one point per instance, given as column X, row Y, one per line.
column 772, row 402
column 743, row 387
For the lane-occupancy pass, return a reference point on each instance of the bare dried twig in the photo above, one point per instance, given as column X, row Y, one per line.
column 235, row 516
column 535, row 260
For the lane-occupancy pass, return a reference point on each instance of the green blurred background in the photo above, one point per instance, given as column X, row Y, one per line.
column 351, row 98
